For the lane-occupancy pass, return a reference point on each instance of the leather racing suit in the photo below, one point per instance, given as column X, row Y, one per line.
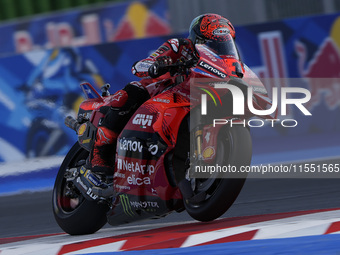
column 126, row 101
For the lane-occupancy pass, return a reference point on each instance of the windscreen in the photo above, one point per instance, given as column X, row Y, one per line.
column 225, row 48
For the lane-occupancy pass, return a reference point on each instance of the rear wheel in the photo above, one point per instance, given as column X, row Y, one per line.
column 234, row 147
column 73, row 213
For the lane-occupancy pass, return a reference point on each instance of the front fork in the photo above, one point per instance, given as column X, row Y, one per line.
column 198, row 143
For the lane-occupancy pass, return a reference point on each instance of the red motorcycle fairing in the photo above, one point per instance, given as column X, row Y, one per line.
column 142, row 175
column 153, row 150
column 213, row 65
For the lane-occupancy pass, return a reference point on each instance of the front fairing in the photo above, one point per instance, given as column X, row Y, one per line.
column 212, row 68
column 210, row 64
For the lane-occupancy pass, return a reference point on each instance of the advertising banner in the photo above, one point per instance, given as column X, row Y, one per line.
column 80, row 27
column 39, row 88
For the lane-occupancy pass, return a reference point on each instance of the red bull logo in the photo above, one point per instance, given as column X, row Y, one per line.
column 275, row 65
column 322, row 72
column 138, row 21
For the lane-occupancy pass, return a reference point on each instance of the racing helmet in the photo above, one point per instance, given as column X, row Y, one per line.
column 214, row 31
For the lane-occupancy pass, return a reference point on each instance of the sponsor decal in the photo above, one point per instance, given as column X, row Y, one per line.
column 85, row 115
column 91, row 195
column 325, row 62
column 259, row 89
column 128, row 145
column 153, row 149
column 136, row 146
column 154, row 55
column 221, row 31
column 135, row 167
column 136, row 83
column 164, row 47
column 144, row 204
column 133, row 180
column 91, row 178
column 124, row 200
column 119, row 175
column 100, row 122
column 142, row 66
column 154, row 191
column 161, row 100
column 192, row 98
column 212, row 57
column 86, row 141
column 122, row 187
column 86, row 189
column 207, row 137
column 116, row 97
column 82, row 170
column 82, row 129
column 212, row 69
column 96, row 105
column 185, row 53
column 208, row 152
column 81, row 184
column 174, row 44
column 102, row 137
column 143, row 120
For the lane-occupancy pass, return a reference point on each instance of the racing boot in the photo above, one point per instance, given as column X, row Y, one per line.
column 95, row 178
column 102, row 156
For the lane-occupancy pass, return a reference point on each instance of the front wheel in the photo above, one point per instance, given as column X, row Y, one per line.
column 234, row 148
column 74, row 214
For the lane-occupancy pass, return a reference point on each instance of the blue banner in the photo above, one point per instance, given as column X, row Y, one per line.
column 39, row 88
column 115, row 22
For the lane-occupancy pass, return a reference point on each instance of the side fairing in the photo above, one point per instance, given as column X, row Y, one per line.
column 141, row 177
column 146, row 139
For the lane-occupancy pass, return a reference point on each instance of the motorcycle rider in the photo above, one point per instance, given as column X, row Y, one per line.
column 123, row 104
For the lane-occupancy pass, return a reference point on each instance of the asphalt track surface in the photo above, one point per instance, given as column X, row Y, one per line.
column 31, row 213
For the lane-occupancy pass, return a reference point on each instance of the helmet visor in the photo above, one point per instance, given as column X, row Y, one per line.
column 223, row 48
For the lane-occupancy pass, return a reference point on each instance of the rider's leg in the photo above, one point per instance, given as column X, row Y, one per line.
column 117, row 113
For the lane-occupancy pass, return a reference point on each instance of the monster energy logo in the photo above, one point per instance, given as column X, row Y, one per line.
column 124, row 199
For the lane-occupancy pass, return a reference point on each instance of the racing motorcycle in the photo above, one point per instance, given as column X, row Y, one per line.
column 162, row 144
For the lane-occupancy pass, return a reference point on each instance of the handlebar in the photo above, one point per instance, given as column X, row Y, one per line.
column 71, row 123
column 181, row 66
column 156, row 69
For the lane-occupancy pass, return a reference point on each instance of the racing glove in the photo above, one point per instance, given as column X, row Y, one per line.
column 160, row 66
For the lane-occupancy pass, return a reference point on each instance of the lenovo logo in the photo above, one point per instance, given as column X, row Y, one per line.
column 212, row 69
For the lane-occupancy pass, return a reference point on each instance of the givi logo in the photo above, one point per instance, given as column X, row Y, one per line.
column 143, row 120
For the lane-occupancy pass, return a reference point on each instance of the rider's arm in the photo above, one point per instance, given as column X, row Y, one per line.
column 174, row 48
